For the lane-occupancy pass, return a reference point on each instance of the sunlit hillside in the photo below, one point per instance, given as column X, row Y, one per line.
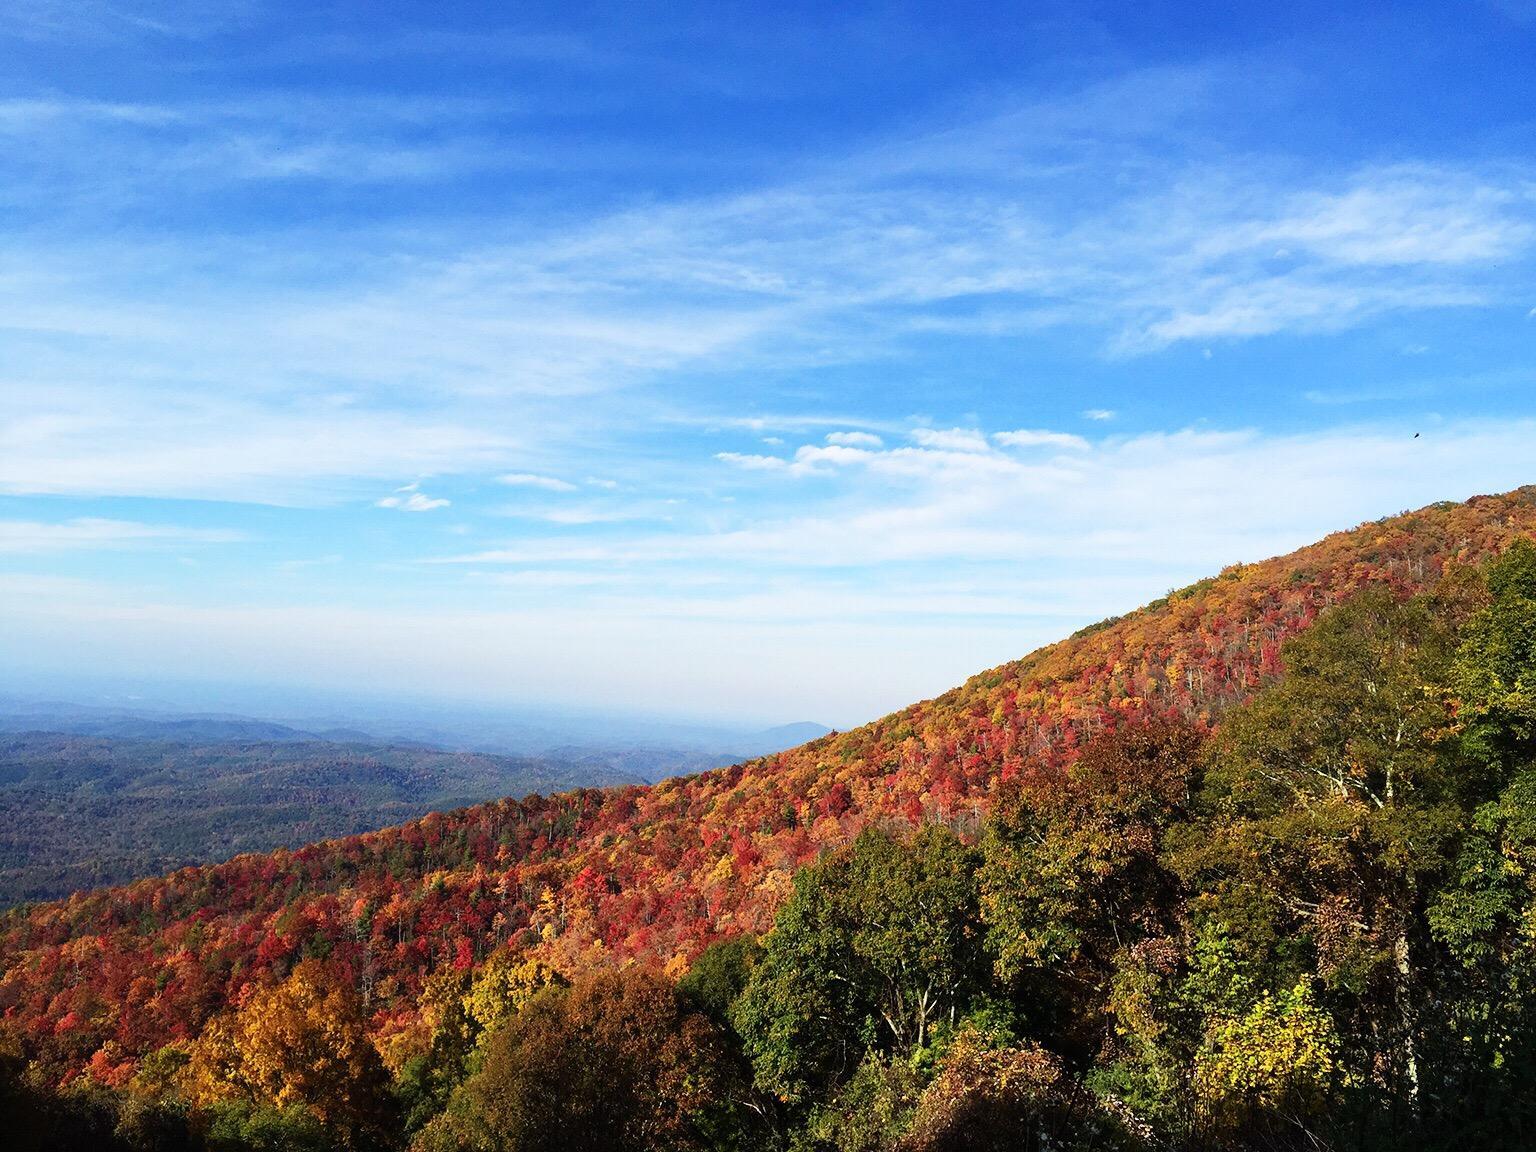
column 592, row 879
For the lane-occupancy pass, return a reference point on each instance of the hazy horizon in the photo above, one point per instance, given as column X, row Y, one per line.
column 400, row 713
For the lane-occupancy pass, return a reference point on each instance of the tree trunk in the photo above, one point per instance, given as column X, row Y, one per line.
column 1407, row 1018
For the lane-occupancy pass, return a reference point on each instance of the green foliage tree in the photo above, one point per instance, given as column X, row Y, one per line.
column 1494, row 674
column 877, row 946
column 438, row 1055
column 458, row 1014
column 716, row 980
column 238, row 1125
column 1484, row 914
column 1072, row 872
column 1333, row 805
column 1263, row 1054
column 870, row 1112
column 1354, row 718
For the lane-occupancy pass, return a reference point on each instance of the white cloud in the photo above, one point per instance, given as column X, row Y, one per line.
column 1266, row 307
column 1403, row 216
column 1192, row 500
column 411, row 499
column 878, row 594
column 1034, row 438
column 318, row 367
column 810, row 457
column 32, row 536
column 855, row 439
column 415, row 502
column 533, row 480
column 753, row 462
column 951, row 440
column 88, row 441
column 809, row 460
column 148, row 377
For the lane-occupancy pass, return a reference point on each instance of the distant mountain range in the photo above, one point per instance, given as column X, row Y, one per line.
column 93, row 796
column 81, row 810
column 664, row 746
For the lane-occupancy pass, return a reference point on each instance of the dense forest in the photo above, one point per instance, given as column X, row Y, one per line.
column 1249, row 867
column 80, row 811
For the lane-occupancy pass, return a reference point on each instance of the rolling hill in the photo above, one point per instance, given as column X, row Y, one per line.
column 593, row 878
column 82, row 811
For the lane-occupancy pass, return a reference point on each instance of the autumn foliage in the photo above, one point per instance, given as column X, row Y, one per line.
column 224, row 959
column 302, row 1043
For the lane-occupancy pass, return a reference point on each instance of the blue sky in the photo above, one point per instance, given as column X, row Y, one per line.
column 752, row 361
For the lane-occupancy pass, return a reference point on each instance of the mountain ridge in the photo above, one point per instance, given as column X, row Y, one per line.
column 87, row 810
column 654, row 873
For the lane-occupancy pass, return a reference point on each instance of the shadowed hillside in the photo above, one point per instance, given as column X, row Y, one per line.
column 591, row 878
column 83, row 811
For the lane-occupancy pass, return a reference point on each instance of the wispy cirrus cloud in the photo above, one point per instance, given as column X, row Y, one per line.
column 411, row 498
column 275, row 449
column 77, row 155
column 765, row 413
column 1404, row 216
column 163, row 366
column 842, row 263
column 90, row 533
column 533, row 480
column 123, row 19
column 1176, row 500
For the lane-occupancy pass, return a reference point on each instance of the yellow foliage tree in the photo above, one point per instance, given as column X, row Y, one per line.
column 505, row 982
column 301, row 1043
column 1279, row 1056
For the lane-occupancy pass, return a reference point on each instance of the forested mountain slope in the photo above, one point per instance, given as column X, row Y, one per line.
column 591, row 878
column 81, row 811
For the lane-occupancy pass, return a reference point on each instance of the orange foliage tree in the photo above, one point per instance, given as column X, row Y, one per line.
column 302, row 1043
